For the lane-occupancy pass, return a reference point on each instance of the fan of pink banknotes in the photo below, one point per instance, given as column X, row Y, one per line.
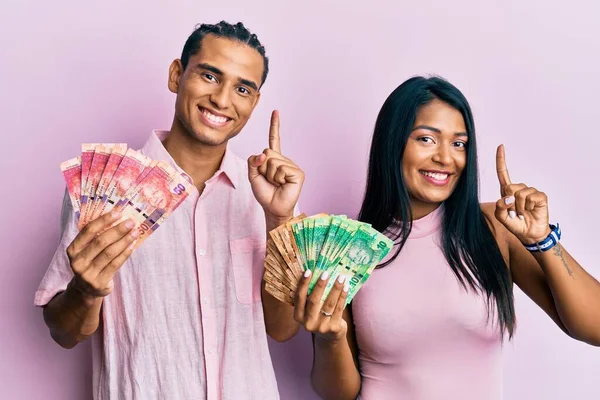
column 111, row 177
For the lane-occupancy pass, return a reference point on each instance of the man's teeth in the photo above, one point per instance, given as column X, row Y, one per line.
column 214, row 118
column 435, row 175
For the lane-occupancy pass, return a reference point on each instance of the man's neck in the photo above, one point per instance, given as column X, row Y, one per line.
column 199, row 161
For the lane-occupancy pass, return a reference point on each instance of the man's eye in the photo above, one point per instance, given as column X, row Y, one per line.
column 210, row 77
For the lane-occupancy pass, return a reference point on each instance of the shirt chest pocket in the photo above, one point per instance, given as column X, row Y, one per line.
column 247, row 260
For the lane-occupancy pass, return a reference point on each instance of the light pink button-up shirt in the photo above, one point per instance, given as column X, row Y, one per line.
column 185, row 319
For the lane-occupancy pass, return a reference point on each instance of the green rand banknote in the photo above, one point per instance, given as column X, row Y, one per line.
column 367, row 248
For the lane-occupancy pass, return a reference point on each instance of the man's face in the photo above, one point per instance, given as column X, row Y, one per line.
column 218, row 90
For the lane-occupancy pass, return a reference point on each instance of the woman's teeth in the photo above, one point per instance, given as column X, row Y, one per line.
column 435, row 175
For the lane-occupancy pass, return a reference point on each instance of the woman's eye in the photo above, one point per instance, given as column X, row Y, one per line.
column 426, row 139
column 461, row 145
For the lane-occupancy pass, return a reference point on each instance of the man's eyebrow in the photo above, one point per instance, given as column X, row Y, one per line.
column 210, row 68
column 249, row 83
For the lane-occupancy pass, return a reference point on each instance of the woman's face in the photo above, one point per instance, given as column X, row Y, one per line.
column 435, row 156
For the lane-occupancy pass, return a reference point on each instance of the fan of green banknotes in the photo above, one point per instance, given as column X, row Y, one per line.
column 111, row 177
column 322, row 242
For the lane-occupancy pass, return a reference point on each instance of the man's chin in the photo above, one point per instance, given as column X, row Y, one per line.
column 210, row 139
column 212, row 142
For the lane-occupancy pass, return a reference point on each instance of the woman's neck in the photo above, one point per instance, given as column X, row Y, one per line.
column 421, row 209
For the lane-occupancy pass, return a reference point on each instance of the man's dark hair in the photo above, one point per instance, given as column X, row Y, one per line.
column 237, row 32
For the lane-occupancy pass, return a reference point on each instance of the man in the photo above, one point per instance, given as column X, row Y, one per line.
column 182, row 317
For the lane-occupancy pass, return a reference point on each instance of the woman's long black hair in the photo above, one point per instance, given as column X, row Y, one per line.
column 467, row 241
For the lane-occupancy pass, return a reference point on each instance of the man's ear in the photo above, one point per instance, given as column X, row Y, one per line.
column 175, row 73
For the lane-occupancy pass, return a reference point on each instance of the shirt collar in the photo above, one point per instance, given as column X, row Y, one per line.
column 155, row 149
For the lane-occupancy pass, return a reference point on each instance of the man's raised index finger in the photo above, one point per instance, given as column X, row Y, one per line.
column 501, row 169
column 274, row 142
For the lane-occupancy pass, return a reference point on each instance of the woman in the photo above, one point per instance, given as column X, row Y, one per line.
column 429, row 322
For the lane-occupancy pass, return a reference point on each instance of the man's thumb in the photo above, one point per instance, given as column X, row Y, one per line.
column 253, row 163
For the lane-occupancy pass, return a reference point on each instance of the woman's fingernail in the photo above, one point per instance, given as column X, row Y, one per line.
column 307, row 273
column 325, row 275
column 346, row 287
column 135, row 233
column 509, row 200
column 115, row 214
column 512, row 214
column 129, row 224
column 521, row 217
column 341, row 279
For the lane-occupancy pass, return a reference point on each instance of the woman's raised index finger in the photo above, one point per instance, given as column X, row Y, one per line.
column 501, row 169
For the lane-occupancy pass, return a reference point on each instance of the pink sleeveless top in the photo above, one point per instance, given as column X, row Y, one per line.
column 420, row 335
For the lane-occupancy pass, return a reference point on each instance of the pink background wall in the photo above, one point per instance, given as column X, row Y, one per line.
column 72, row 72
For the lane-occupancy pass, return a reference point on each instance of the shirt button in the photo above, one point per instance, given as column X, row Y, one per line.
column 210, row 352
column 205, row 300
column 202, row 252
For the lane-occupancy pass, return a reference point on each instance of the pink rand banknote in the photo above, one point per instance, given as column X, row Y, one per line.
column 116, row 156
column 71, row 170
column 134, row 187
column 122, row 179
column 100, row 158
column 127, row 173
column 157, row 194
column 87, row 155
column 151, row 192
column 180, row 187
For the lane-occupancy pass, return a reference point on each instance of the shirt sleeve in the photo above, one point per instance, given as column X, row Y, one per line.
column 59, row 272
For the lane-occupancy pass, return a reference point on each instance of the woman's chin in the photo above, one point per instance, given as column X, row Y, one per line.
column 433, row 199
